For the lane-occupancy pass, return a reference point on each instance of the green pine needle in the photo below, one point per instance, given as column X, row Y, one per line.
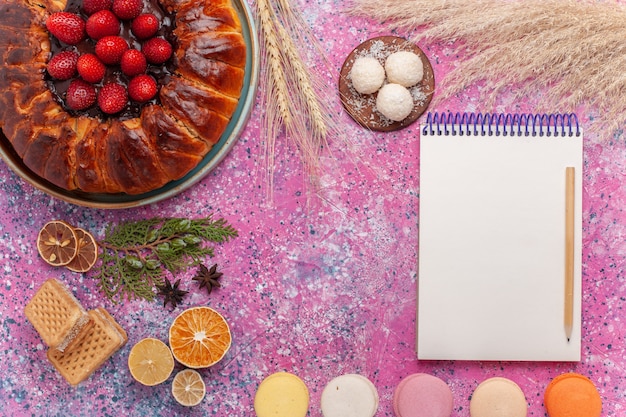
column 135, row 255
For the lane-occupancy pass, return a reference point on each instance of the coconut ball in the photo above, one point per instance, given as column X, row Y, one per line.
column 367, row 75
column 404, row 68
column 395, row 102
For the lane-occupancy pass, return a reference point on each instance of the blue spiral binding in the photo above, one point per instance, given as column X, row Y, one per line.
column 505, row 124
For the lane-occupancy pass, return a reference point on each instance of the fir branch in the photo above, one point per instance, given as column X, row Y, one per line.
column 135, row 255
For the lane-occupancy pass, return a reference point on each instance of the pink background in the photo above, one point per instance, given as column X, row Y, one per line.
column 314, row 286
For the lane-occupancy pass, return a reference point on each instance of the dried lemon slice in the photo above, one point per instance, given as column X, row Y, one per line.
column 86, row 254
column 188, row 387
column 150, row 361
column 57, row 243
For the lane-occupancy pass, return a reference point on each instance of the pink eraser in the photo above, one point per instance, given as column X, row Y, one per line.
column 422, row 395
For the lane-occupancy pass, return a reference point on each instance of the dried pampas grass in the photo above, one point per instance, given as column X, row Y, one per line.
column 291, row 101
column 574, row 51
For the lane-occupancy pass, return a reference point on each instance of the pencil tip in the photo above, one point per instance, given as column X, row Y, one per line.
column 568, row 340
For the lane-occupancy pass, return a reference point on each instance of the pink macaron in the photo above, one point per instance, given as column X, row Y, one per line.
column 422, row 395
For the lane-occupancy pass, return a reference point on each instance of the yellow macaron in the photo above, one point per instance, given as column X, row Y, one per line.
column 282, row 394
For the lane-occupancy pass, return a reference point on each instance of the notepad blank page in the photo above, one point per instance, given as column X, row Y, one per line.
column 491, row 247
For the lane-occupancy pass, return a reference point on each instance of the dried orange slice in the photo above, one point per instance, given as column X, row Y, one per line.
column 150, row 361
column 199, row 337
column 86, row 254
column 57, row 243
column 188, row 387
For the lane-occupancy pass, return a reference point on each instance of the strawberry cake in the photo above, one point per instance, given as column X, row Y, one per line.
column 117, row 96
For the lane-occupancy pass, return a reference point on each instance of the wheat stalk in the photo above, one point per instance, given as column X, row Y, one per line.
column 574, row 51
column 295, row 29
column 276, row 99
column 306, row 90
column 303, row 97
column 291, row 101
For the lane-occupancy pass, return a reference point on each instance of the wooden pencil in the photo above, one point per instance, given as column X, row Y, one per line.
column 569, row 251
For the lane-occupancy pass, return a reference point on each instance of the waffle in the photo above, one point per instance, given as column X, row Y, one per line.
column 102, row 341
column 115, row 324
column 57, row 316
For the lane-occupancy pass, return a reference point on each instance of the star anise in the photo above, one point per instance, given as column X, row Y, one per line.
column 171, row 294
column 208, row 277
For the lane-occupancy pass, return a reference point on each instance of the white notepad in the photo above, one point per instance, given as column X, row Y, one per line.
column 491, row 277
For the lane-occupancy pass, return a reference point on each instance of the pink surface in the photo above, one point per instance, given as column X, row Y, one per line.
column 314, row 286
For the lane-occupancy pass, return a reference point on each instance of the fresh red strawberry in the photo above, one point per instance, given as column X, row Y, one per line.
column 157, row 50
column 110, row 49
column 101, row 24
column 62, row 66
column 66, row 27
column 142, row 88
column 145, row 26
column 112, row 98
column 92, row 6
column 90, row 68
column 133, row 63
column 80, row 95
column 127, row 9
